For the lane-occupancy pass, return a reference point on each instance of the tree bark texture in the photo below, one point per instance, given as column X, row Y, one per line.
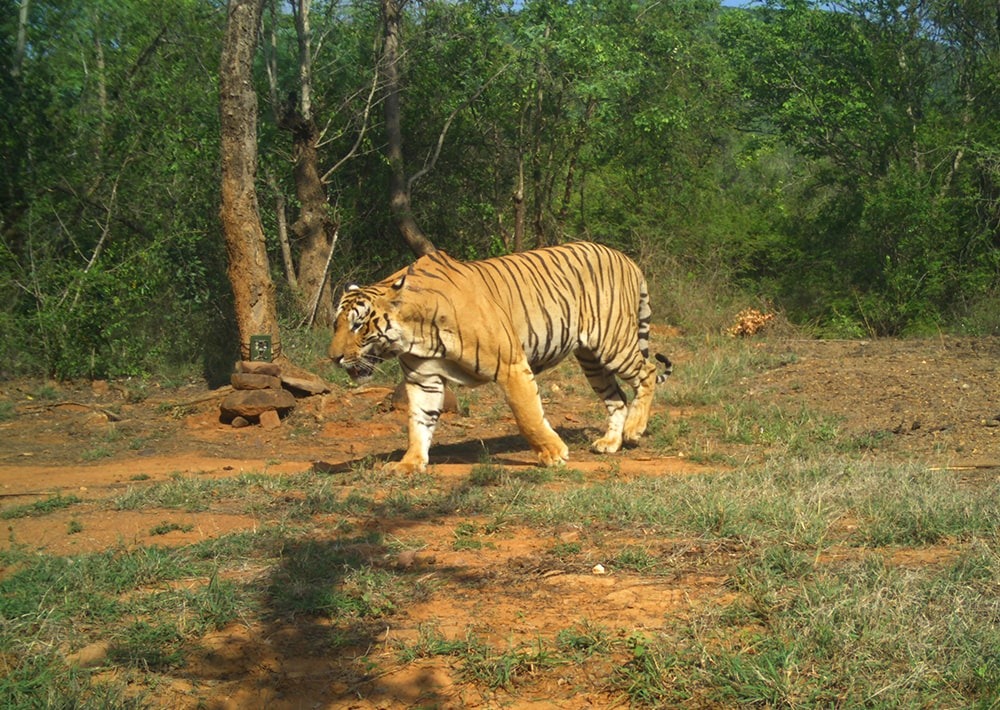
column 315, row 229
column 399, row 196
column 249, row 275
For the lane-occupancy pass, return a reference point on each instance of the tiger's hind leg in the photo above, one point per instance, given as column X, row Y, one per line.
column 603, row 381
column 638, row 411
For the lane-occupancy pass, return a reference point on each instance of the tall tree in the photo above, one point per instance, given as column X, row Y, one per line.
column 253, row 290
column 316, row 228
column 399, row 191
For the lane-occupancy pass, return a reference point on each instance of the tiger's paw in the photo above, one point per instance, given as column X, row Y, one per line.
column 554, row 457
column 632, row 437
column 607, row 444
column 405, row 468
column 635, row 427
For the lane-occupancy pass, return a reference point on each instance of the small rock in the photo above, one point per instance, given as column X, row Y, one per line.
column 418, row 558
column 425, row 557
column 305, row 384
column 239, row 422
column 89, row 656
column 569, row 536
column 599, row 569
column 406, row 558
column 97, row 418
column 270, row 419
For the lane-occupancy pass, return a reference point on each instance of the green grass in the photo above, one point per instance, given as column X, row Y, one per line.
column 167, row 527
column 148, row 647
column 584, row 640
column 495, row 668
column 799, row 632
column 709, row 379
column 863, row 633
column 39, row 508
column 118, row 595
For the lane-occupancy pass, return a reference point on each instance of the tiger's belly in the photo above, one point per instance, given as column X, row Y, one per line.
column 421, row 368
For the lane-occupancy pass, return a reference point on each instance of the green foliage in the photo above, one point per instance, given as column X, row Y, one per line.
column 644, row 678
column 838, row 165
column 109, row 201
column 885, row 237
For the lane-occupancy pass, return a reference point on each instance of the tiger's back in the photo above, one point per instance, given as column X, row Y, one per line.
column 551, row 301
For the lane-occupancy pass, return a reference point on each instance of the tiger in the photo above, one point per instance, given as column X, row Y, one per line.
column 505, row 319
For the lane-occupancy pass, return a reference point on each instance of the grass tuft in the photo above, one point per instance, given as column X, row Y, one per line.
column 39, row 508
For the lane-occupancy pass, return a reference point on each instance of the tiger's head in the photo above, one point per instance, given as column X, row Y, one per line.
column 366, row 329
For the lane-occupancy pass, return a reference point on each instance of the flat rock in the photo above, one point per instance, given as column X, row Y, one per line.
column 258, row 367
column 90, row 656
column 253, row 403
column 254, row 381
column 309, row 385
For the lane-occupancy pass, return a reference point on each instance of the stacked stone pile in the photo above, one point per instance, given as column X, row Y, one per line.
column 261, row 393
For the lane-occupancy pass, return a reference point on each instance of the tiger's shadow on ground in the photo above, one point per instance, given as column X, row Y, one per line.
column 504, row 450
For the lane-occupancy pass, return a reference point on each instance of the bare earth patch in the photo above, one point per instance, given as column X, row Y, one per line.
column 933, row 401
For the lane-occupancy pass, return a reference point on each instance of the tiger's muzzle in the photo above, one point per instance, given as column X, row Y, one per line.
column 359, row 370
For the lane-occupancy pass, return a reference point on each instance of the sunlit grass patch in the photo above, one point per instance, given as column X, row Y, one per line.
column 709, row 378
column 801, row 501
column 122, row 596
column 39, row 508
column 863, row 631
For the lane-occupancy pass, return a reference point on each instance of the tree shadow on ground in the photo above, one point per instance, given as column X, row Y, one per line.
column 330, row 594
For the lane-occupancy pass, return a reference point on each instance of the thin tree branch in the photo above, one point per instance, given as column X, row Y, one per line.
column 429, row 164
column 361, row 134
column 314, row 304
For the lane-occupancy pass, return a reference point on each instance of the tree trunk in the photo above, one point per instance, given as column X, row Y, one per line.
column 281, row 223
column 253, row 290
column 22, row 39
column 315, row 229
column 399, row 196
column 538, row 127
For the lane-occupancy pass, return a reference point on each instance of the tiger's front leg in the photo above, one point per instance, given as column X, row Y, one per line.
column 522, row 395
column 426, row 400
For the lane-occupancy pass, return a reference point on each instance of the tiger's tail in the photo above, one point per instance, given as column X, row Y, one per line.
column 668, row 368
column 645, row 316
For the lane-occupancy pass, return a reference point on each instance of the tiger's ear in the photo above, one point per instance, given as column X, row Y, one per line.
column 352, row 287
column 398, row 283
